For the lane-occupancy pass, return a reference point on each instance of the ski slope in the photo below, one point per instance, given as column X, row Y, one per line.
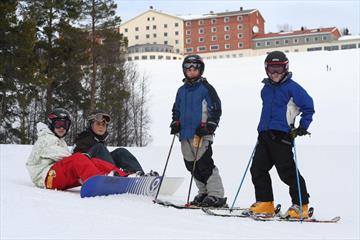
column 329, row 162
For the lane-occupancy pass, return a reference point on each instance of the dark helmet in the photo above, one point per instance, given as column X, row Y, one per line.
column 276, row 58
column 98, row 115
column 59, row 117
column 193, row 61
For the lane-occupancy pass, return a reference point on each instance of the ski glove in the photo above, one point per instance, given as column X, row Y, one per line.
column 300, row 131
column 175, row 127
column 206, row 129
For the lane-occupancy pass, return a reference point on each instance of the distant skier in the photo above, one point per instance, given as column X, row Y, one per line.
column 195, row 116
column 51, row 164
column 282, row 100
column 92, row 141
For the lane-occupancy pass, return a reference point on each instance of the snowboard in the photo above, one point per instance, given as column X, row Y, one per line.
column 145, row 185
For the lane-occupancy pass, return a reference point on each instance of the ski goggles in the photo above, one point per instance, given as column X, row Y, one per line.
column 276, row 68
column 62, row 123
column 192, row 65
column 100, row 117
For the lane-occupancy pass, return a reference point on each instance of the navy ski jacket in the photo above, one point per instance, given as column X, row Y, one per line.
column 282, row 102
column 196, row 103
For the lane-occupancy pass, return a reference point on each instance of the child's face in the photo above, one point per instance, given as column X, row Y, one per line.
column 192, row 73
column 99, row 128
column 60, row 132
column 276, row 77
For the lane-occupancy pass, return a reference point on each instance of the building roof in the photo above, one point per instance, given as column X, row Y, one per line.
column 220, row 14
column 153, row 11
column 295, row 33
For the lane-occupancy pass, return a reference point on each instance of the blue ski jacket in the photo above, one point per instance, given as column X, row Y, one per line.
column 195, row 104
column 282, row 102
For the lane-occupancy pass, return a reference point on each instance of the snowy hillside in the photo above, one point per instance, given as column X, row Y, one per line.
column 329, row 162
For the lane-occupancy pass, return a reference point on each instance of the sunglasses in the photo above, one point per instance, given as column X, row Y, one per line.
column 100, row 117
column 62, row 123
column 192, row 65
column 277, row 68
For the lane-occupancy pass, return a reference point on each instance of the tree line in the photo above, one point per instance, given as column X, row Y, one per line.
column 68, row 53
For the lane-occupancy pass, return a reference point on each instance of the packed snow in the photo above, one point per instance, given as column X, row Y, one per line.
column 328, row 160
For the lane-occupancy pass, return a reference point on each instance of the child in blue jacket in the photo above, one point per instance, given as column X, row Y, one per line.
column 283, row 99
column 195, row 116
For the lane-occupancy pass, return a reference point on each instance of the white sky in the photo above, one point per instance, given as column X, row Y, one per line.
column 308, row 13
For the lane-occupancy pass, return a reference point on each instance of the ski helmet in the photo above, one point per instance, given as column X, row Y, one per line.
column 194, row 61
column 98, row 115
column 276, row 61
column 59, row 118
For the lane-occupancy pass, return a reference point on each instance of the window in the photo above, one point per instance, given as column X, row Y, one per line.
column 168, row 57
column 277, row 42
column 126, row 30
column 324, row 38
column 144, row 57
column 154, row 27
column 176, row 33
column 165, row 42
column 160, row 57
column 286, row 41
column 213, row 29
column 226, row 28
column 189, row 50
column 188, row 23
column 213, row 38
column 165, row 34
column 227, row 36
column 239, row 18
column 176, row 41
column 213, row 20
column 201, row 30
column 176, row 24
column 136, row 58
column 136, row 37
column 240, row 45
column 137, row 29
column 348, row 46
column 177, row 50
column 201, row 48
column 331, row 48
column 239, row 27
column 201, row 39
column 165, row 25
column 188, row 32
column 201, row 22
column 147, row 35
column 316, row 39
column 268, row 43
column 147, row 27
column 214, row 47
column 226, row 19
column 240, row 35
column 295, row 40
column 148, row 19
column 227, row 46
column 188, row 41
column 314, row 49
column 154, row 35
column 258, row 44
column 307, row 39
column 129, row 59
column 152, row 56
column 153, row 18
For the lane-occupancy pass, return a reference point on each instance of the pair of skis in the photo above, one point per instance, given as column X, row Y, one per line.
column 244, row 213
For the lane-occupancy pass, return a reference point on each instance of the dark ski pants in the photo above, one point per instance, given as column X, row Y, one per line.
column 120, row 157
column 274, row 148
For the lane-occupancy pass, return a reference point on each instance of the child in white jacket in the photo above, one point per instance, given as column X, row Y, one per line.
column 51, row 164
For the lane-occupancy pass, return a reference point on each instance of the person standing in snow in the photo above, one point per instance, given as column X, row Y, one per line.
column 52, row 166
column 282, row 100
column 195, row 116
column 92, row 142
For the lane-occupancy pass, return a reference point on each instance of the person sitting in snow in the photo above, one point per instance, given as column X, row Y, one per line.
column 92, row 142
column 282, row 100
column 195, row 116
column 51, row 165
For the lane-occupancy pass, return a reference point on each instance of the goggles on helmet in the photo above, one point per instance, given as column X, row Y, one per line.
column 189, row 65
column 62, row 123
column 100, row 117
column 276, row 68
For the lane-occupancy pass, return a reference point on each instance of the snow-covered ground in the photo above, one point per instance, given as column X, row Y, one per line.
column 329, row 162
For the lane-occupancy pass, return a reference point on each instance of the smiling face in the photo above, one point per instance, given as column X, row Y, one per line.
column 60, row 132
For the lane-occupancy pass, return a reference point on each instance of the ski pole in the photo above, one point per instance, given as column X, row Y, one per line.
column 298, row 182
column 193, row 171
column 243, row 177
column 163, row 174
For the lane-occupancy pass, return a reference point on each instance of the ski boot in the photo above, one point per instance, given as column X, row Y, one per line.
column 212, row 201
column 265, row 209
column 294, row 211
column 198, row 199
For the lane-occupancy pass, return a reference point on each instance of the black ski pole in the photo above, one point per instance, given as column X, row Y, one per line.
column 193, row 171
column 243, row 177
column 163, row 174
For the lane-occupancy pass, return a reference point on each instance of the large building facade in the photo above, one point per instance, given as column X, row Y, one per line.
column 154, row 35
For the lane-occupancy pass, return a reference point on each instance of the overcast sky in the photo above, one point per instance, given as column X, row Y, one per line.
column 308, row 13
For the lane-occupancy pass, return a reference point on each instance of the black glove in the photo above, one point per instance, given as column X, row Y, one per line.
column 206, row 129
column 300, row 131
column 175, row 127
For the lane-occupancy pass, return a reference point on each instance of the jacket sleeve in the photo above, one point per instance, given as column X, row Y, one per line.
column 54, row 149
column 214, row 105
column 306, row 105
column 176, row 107
column 83, row 142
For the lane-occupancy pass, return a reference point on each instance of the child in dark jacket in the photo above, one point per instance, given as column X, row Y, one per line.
column 196, row 114
column 283, row 99
column 92, row 142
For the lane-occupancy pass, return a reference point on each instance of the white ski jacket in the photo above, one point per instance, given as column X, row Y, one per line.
column 47, row 150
